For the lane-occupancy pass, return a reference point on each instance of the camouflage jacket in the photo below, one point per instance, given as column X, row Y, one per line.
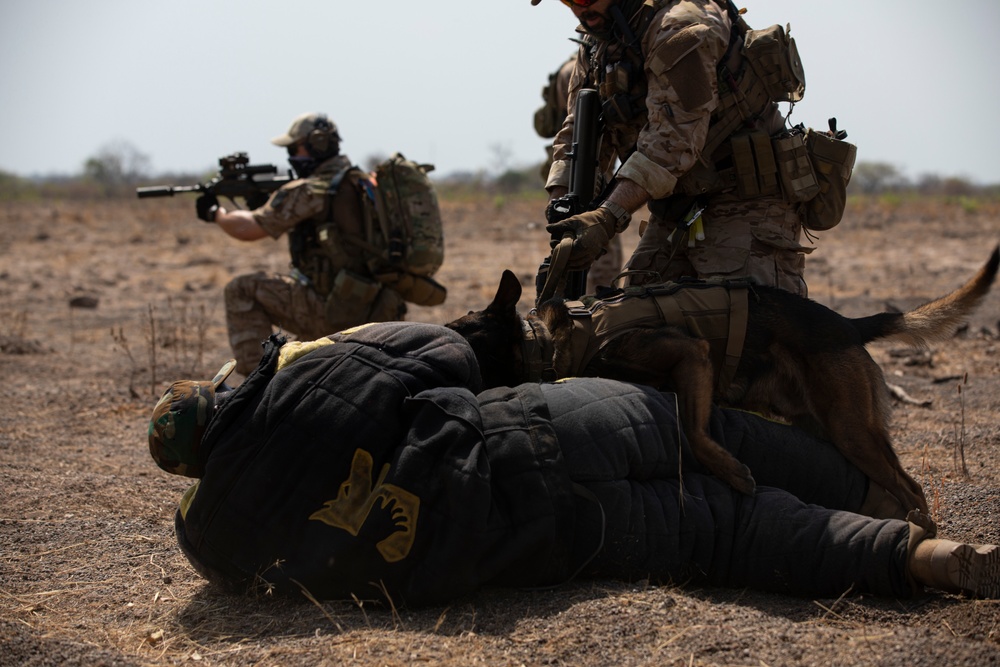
column 673, row 92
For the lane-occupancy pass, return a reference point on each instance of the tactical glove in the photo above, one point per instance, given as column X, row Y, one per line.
column 590, row 231
column 207, row 206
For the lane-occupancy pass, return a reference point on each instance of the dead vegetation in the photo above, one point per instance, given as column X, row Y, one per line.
column 90, row 572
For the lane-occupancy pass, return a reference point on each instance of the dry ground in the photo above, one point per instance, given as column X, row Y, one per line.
column 101, row 305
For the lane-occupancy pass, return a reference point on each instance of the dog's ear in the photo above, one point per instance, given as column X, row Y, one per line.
column 507, row 296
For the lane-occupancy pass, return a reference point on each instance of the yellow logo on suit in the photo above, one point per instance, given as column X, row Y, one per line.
column 356, row 499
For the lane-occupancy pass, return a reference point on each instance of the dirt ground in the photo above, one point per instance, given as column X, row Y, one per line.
column 102, row 305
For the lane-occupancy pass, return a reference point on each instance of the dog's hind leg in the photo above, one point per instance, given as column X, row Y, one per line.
column 851, row 403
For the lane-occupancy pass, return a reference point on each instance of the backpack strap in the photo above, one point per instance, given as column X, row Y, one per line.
column 332, row 188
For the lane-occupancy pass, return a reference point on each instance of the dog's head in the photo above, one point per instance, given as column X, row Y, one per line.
column 496, row 335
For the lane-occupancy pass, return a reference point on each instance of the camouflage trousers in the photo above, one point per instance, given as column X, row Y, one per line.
column 757, row 239
column 257, row 302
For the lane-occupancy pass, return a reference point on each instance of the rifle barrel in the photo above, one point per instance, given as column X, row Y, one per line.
column 165, row 190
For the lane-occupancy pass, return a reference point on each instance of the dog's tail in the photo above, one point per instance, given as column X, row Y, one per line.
column 935, row 320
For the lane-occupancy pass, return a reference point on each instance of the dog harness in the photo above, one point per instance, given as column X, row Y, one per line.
column 537, row 353
column 711, row 310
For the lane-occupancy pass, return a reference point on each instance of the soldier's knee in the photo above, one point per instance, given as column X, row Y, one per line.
column 238, row 293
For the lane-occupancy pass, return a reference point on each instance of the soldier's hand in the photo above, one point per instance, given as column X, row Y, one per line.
column 590, row 232
column 207, row 206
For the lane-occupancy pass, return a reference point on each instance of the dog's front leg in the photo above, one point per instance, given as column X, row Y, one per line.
column 668, row 358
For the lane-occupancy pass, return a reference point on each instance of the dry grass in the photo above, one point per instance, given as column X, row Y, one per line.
column 90, row 572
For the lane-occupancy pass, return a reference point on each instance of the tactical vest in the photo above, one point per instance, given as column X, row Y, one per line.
column 714, row 311
column 759, row 69
column 319, row 249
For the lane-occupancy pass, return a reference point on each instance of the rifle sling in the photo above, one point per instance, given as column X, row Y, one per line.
column 557, row 269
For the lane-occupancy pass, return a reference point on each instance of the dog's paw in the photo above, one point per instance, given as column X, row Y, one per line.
column 741, row 480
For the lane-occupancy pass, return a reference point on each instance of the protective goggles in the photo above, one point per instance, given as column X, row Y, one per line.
column 579, row 3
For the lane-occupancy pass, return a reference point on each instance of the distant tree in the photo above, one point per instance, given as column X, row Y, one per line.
column 876, row 177
column 956, row 186
column 117, row 166
column 929, row 184
column 11, row 185
column 516, row 180
column 501, row 157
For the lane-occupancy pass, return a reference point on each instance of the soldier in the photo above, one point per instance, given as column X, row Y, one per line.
column 549, row 118
column 330, row 286
column 659, row 68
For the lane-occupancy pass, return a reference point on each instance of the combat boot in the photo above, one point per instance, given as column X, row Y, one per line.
column 955, row 567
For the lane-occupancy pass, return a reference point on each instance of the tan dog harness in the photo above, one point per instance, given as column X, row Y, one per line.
column 713, row 311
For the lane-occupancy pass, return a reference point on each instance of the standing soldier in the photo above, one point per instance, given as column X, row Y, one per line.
column 549, row 118
column 692, row 117
column 330, row 287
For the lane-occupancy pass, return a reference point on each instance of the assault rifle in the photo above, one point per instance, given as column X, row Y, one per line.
column 580, row 197
column 253, row 183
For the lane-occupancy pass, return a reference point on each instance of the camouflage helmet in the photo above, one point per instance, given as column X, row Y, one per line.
column 319, row 132
column 179, row 421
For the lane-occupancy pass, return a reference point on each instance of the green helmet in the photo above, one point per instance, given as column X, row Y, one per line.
column 179, row 421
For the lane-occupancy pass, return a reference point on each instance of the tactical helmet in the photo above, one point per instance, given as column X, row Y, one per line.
column 317, row 131
column 179, row 421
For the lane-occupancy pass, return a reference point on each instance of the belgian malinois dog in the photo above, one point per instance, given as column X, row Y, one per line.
column 799, row 360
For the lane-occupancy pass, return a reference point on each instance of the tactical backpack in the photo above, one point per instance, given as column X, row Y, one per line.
column 550, row 116
column 402, row 240
column 408, row 212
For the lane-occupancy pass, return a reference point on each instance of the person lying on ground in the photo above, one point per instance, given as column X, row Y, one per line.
column 368, row 463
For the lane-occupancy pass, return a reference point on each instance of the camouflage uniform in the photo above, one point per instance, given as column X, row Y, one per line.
column 548, row 119
column 327, row 291
column 674, row 92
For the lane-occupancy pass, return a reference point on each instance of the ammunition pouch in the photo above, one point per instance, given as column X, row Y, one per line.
column 795, row 168
column 350, row 299
column 774, row 58
column 754, row 165
column 418, row 290
column 547, row 122
column 802, row 165
column 747, row 165
column 317, row 254
column 833, row 162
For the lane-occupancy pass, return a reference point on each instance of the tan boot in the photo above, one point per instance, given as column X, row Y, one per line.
column 880, row 504
column 972, row 569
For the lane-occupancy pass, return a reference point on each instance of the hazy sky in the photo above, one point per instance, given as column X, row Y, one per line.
column 453, row 82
